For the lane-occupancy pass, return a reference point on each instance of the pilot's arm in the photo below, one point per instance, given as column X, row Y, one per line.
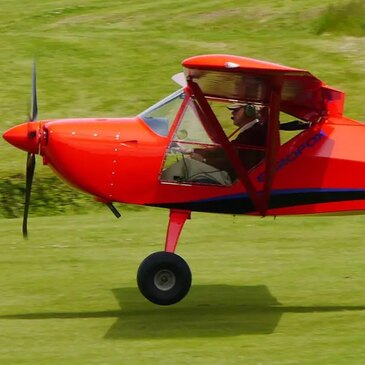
column 212, row 156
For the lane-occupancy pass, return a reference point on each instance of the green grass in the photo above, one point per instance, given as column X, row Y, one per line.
column 348, row 19
column 49, row 196
column 265, row 291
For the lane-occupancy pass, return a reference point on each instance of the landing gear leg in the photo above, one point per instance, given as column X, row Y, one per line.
column 164, row 278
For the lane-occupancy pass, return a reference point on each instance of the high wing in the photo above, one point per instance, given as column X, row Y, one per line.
column 232, row 78
column 239, row 78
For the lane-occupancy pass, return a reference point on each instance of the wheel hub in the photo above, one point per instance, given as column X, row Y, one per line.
column 164, row 280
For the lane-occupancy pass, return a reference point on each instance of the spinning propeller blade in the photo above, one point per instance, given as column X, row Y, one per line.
column 30, row 165
column 34, row 103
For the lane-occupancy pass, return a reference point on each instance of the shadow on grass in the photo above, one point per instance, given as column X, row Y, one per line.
column 208, row 311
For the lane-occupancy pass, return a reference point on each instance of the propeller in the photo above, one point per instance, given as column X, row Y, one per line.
column 30, row 165
column 34, row 101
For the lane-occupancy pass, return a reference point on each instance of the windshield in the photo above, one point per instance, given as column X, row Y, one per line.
column 160, row 116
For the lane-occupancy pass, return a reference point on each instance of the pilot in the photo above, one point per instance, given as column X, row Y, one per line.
column 252, row 132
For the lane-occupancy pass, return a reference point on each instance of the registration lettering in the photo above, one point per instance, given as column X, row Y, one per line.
column 292, row 156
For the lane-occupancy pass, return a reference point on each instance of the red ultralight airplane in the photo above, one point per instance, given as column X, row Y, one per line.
column 147, row 159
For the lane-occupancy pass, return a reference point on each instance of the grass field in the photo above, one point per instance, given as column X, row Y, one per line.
column 265, row 291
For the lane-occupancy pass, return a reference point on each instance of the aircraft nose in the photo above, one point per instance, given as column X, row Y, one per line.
column 24, row 136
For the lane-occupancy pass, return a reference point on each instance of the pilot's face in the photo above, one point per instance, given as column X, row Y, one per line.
column 240, row 118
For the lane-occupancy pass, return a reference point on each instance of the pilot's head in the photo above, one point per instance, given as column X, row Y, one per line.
column 243, row 113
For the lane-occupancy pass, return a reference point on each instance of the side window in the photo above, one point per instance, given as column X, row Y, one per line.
column 290, row 127
column 194, row 157
column 187, row 154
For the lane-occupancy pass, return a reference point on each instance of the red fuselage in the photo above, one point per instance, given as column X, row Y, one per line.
column 120, row 160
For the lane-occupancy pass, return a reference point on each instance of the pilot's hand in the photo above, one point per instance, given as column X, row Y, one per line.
column 177, row 147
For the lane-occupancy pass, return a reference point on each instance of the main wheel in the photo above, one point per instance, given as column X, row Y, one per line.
column 164, row 278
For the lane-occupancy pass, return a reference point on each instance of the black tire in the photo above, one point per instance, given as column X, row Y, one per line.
column 164, row 278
